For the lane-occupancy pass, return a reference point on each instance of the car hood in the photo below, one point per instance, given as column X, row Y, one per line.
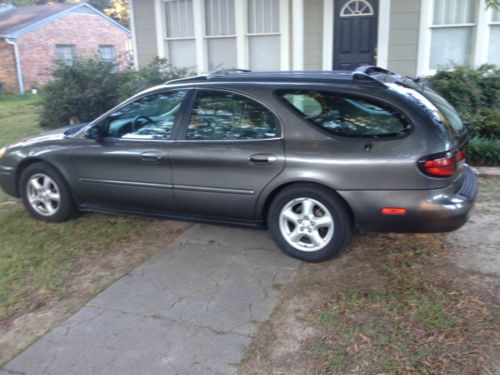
column 51, row 135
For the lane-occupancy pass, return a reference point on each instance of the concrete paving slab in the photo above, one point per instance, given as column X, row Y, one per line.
column 190, row 309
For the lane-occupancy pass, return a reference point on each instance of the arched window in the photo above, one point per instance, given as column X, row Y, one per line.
column 356, row 8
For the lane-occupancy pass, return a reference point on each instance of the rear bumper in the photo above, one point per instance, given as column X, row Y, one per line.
column 8, row 180
column 441, row 210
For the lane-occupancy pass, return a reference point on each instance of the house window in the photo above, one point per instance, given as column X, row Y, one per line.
column 179, row 30
column 65, row 53
column 263, row 34
column 494, row 50
column 220, row 33
column 210, row 34
column 107, row 54
column 452, row 31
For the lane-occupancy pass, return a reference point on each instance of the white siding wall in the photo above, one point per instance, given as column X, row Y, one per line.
column 403, row 36
column 313, row 34
column 144, row 17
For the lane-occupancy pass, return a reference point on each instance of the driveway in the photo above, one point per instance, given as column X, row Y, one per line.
column 190, row 309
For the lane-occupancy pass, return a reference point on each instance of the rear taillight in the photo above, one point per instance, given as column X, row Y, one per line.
column 441, row 167
column 460, row 156
column 442, row 164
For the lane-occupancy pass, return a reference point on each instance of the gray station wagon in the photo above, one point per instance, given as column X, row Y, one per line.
column 309, row 155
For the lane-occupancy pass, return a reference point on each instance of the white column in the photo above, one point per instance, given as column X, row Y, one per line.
column 160, row 28
column 482, row 39
column 298, row 34
column 384, row 16
column 241, row 29
column 327, row 34
column 424, row 38
column 199, row 34
column 134, row 37
column 285, row 35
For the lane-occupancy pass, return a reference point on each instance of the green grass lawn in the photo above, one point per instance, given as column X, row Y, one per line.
column 18, row 119
column 38, row 260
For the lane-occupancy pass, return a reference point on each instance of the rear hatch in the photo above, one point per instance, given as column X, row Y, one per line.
column 449, row 162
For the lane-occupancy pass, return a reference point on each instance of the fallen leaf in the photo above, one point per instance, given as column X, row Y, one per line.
column 364, row 337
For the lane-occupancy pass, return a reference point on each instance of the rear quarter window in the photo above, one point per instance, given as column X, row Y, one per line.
column 346, row 115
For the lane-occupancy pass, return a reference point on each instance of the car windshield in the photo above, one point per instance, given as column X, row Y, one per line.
column 431, row 102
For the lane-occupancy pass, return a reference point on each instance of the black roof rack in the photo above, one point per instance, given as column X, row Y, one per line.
column 367, row 73
column 225, row 72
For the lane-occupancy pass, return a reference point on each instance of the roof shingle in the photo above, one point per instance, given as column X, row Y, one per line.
column 19, row 18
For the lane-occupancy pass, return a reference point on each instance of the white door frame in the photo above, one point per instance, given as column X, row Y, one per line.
column 384, row 12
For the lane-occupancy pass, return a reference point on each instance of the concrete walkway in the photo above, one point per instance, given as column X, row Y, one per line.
column 191, row 309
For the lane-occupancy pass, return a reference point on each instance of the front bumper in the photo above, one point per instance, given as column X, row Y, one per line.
column 8, row 180
column 441, row 210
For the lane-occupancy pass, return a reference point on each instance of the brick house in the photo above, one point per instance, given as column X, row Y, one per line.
column 33, row 38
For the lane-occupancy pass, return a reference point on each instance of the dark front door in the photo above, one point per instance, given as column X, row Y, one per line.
column 355, row 33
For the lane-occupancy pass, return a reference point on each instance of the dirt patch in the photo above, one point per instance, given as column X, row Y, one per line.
column 391, row 304
column 476, row 246
column 91, row 274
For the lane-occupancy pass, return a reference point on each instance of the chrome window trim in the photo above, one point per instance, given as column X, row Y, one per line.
column 207, row 189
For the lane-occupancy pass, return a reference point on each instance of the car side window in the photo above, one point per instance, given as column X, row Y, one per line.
column 227, row 116
column 150, row 117
column 347, row 115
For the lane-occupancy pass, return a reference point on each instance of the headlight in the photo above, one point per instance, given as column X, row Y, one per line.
column 2, row 151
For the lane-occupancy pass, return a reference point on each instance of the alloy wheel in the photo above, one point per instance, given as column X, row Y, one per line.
column 306, row 224
column 43, row 194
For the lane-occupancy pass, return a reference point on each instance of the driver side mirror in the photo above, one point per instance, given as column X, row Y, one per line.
column 95, row 132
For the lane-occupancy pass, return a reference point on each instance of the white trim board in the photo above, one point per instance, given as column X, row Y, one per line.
column 298, row 34
column 134, row 36
column 384, row 17
column 160, row 33
column 327, row 34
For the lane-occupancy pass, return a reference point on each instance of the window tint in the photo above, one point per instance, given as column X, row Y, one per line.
column 347, row 115
column 150, row 117
column 224, row 116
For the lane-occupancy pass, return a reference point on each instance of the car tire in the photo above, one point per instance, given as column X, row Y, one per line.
column 309, row 222
column 45, row 194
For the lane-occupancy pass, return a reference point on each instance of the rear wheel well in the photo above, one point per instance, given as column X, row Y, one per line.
column 279, row 189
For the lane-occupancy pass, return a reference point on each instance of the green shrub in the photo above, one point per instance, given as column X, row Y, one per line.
column 485, row 123
column 155, row 73
column 484, row 151
column 475, row 93
column 1, row 88
column 82, row 91
column 88, row 88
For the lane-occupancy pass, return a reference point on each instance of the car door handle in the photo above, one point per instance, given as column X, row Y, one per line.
column 262, row 158
column 151, row 157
